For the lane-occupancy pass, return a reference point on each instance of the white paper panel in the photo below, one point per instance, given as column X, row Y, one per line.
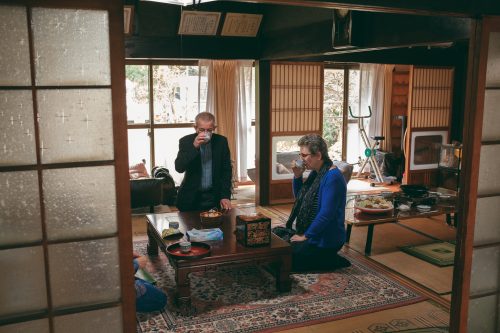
column 485, row 274
column 14, row 50
column 489, row 181
column 71, row 47
column 493, row 65
column 483, row 314
column 22, row 283
column 491, row 118
column 75, row 125
column 19, row 208
column 80, row 202
column 35, row 326
column 99, row 321
column 487, row 229
column 84, row 273
column 17, row 129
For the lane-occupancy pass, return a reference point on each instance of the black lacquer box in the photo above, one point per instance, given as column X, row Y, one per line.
column 253, row 230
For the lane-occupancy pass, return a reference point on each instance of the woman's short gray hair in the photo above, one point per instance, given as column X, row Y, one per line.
column 315, row 143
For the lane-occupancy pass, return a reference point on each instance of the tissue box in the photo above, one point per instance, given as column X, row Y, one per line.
column 253, row 230
column 214, row 234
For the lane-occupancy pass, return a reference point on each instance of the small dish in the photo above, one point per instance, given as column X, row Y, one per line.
column 423, row 208
column 403, row 208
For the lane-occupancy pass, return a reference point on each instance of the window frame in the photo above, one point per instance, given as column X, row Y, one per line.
column 345, row 108
column 151, row 126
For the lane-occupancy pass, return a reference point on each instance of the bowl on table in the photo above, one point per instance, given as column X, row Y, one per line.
column 404, row 208
column 414, row 191
column 211, row 218
column 423, row 208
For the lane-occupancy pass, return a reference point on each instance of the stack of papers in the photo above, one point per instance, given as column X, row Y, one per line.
column 203, row 235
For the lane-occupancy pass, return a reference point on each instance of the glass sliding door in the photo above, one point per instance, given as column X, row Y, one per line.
column 67, row 259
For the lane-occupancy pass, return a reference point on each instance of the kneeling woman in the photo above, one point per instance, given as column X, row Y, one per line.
column 318, row 212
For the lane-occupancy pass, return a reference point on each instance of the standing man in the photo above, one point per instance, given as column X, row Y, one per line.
column 205, row 158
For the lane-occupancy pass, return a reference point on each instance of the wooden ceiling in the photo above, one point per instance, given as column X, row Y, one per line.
column 302, row 30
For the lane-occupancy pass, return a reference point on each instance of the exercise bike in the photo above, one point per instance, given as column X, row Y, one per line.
column 370, row 151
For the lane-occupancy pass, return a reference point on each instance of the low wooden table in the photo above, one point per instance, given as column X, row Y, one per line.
column 227, row 252
column 354, row 217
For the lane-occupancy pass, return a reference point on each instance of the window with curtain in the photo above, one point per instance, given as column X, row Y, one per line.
column 164, row 97
column 162, row 100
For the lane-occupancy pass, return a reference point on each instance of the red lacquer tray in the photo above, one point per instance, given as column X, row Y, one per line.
column 198, row 250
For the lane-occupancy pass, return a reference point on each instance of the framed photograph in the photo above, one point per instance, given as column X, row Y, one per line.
column 128, row 19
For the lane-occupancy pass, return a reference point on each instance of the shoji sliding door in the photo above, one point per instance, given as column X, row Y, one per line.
column 429, row 122
column 65, row 238
column 296, row 109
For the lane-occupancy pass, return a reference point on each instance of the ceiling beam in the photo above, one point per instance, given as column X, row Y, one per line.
column 459, row 8
column 369, row 31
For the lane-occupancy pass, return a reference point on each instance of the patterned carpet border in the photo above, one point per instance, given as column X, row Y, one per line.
column 244, row 299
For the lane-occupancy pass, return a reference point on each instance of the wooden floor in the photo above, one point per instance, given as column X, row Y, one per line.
column 432, row 281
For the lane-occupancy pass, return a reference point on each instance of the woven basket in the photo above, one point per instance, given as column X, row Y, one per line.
column 211, row 219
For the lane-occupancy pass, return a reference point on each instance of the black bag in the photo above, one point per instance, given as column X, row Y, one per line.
column 169, row 189
column 283, row 233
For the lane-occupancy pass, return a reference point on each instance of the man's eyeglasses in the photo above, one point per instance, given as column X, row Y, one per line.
column 304, row 155
column 201, row 130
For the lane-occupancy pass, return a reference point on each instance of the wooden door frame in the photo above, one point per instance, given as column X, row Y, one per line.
column 120, row 162
column 472, row 133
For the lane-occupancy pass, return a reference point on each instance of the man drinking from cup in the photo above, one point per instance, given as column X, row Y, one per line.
column 205, row 158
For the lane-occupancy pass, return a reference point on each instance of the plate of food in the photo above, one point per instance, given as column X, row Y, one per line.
column 374, row 205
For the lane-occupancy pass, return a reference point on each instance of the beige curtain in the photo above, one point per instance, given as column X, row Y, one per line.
column 222, row 99
column 386, row 144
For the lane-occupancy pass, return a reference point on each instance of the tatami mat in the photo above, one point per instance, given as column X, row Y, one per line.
column 387, row 237
column 434, row 226
column 438, row 279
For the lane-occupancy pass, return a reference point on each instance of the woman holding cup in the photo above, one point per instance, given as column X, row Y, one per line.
column 317, row 216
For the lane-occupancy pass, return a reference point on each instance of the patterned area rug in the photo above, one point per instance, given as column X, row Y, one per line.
column 245, row 299
column 440, row 253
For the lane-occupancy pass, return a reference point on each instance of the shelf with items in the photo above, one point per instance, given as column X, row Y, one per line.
column 450, row 156
column 450, row 163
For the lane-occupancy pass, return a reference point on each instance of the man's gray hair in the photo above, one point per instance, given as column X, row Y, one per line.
column 315, row 143
column 205, row 116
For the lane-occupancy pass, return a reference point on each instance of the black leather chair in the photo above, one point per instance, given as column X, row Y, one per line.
column 146, row 192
